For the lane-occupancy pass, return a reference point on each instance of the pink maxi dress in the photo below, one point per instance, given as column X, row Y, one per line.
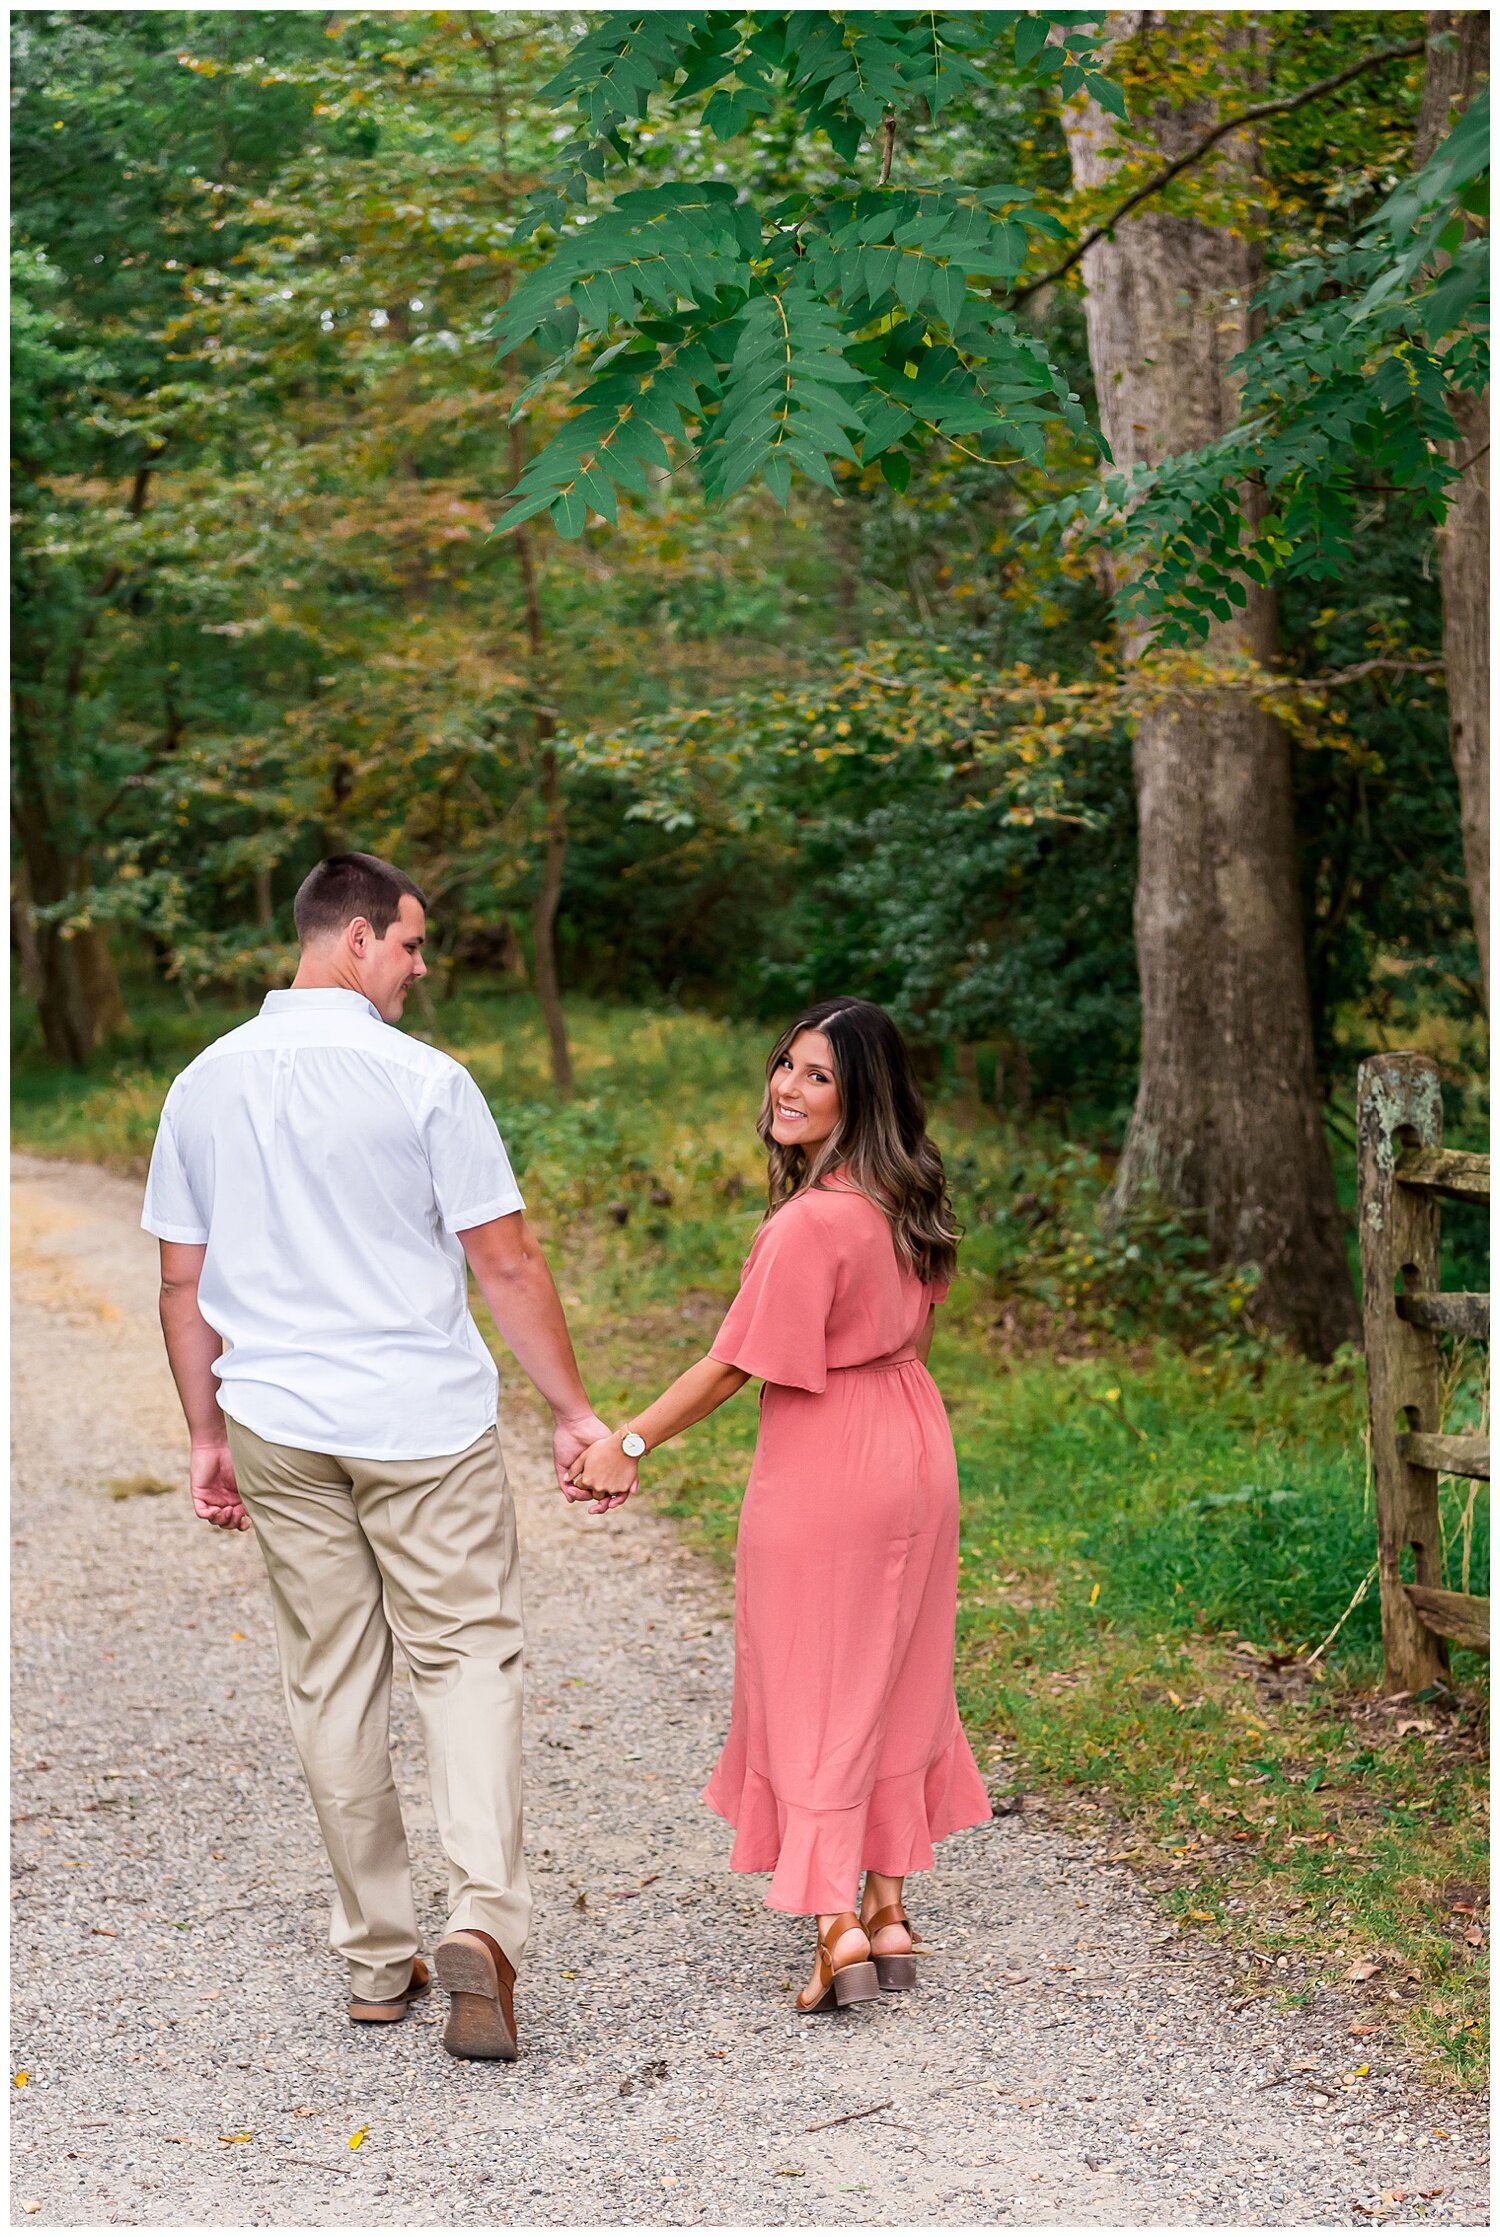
column 845, row 1752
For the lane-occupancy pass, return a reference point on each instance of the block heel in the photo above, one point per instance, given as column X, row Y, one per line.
column 853, row 1982
column 899, row 1972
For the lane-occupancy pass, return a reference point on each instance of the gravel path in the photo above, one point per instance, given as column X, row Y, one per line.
column 1067, row 2060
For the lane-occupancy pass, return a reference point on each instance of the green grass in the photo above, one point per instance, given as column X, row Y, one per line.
column 1163, row 1517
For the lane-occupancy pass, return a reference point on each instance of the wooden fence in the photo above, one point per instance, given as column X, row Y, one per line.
column 1404, row 1173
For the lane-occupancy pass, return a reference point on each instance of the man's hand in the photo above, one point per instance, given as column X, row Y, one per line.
column 572, row 1436
column 605, row 1474
column 216, row 1496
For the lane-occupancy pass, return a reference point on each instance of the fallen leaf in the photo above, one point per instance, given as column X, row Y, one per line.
column 245, row 2137
column 31, row 2205
column 236, row 1634
column 1441, row 2136
column 791, row 2170
column 1365, row 1970
column 108, row 1931
column 22, row 2079
column 358, row 2138
column 1365, row 2027
column 1207, row 1917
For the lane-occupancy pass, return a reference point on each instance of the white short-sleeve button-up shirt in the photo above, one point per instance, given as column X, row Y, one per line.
column 329, row 1163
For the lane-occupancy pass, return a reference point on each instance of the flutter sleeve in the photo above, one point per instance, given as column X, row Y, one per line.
column 777, row 1327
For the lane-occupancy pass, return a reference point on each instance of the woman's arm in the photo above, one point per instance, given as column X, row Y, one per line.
column 924, row 1341
column 605, row 1474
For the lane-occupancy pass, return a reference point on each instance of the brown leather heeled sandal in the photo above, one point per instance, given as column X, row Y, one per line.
column 854, row 1982
column 899, row 1970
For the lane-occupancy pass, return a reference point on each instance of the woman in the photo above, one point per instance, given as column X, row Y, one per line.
column 845, row 1753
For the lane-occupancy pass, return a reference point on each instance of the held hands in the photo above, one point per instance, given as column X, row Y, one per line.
column 603, row 1473
column 572, row 1443
column 216, row 1497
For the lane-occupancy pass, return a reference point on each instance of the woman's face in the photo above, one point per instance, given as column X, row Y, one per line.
column 805, row 1103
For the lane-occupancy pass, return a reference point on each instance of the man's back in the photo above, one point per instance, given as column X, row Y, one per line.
column 328, row 1162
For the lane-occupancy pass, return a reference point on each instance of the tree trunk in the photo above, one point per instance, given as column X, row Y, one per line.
column 96, row 970
column 544, row 923
column 78, row 994
column 554, row 819
column 1226, row 1124
column 1458, row 56
column 28, row 954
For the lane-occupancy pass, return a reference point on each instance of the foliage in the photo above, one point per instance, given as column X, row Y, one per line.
column 257, row 607
column 1346, row 388
column 852, row 324
column 308, row 632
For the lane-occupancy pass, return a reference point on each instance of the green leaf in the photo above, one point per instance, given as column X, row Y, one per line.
column 778, row 478
column 1108, row 95
column 1030, row 37
column 569, row 514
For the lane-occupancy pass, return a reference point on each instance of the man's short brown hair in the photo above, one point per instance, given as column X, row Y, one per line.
column 346, row 886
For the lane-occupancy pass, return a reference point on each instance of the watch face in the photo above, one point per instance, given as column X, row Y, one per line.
column 633, row 1445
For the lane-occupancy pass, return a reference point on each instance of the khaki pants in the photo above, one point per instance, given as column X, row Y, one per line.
column 358, row 1550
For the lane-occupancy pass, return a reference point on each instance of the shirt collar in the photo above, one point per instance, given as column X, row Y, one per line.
column 284, row 1000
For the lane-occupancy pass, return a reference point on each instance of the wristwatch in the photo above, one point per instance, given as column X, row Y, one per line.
column 633, row 1445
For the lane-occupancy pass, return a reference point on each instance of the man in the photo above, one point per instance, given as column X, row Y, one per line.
column 317, row 1183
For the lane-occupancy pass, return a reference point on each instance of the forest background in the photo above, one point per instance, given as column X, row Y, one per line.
column 1148, row 805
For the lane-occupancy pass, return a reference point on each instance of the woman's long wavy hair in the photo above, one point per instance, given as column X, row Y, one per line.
column 880, row 1144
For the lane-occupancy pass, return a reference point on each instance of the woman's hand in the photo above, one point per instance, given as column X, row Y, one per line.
column 605, row 1474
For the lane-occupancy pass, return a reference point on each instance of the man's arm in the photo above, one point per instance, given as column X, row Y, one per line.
column 192, row 1348
column 516, row 1283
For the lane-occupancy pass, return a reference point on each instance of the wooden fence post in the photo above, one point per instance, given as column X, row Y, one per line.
column 1400, row 1107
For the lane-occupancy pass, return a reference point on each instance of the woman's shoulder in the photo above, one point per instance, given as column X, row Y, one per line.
column 839, row 1216
column 822, row 1214
column 834, row 1204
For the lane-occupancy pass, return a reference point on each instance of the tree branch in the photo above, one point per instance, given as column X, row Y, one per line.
column 1280, row 107
column 1368, row 668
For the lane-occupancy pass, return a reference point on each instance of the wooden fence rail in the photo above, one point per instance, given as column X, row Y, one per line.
column 1404, row 1173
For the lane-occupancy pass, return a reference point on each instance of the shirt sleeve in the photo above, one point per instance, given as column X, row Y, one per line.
column 936, row 1292
column 777, row 1327
column 471, row 1174
column 171, row 1212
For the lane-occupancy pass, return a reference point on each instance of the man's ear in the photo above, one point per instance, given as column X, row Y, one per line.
column 359, row 932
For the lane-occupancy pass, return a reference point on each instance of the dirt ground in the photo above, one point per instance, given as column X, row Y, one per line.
column 1067, row 2059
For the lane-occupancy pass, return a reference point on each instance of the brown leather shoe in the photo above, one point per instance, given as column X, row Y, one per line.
column 368, row 2011
column 481, row 1982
